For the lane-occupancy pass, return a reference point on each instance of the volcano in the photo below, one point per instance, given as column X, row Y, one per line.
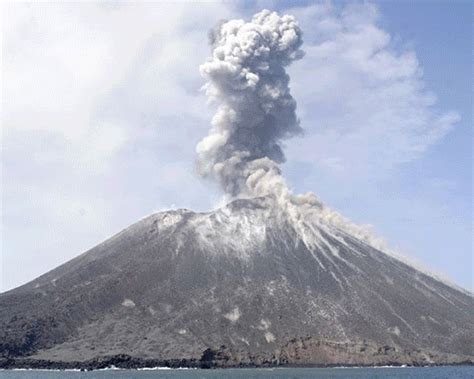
column 241, row 285
column 272, row 278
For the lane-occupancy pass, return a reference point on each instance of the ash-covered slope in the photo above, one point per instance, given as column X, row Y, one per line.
column 244, row 276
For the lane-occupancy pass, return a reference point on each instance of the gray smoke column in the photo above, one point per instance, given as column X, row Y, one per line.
column 256, row 112
column 246, row 77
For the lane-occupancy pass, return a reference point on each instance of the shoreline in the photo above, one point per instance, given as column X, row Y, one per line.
column 139, row 364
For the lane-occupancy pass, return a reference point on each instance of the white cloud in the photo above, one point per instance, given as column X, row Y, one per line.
column 101, row 113
column 362, row 101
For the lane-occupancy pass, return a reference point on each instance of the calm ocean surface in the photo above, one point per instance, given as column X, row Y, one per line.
column 278, row 373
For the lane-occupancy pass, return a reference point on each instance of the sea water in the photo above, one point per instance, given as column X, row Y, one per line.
column 459, row 372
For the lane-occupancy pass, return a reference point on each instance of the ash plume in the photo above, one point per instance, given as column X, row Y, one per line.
column 256, row 113
column 246, row 76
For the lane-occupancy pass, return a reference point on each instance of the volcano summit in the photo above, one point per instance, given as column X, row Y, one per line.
column 271, row 278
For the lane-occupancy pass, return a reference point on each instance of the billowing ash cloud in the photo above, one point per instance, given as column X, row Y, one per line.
column 256, row 113
column 246, row 76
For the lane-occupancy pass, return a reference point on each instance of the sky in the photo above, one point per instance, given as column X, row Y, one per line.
column 102, row 108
